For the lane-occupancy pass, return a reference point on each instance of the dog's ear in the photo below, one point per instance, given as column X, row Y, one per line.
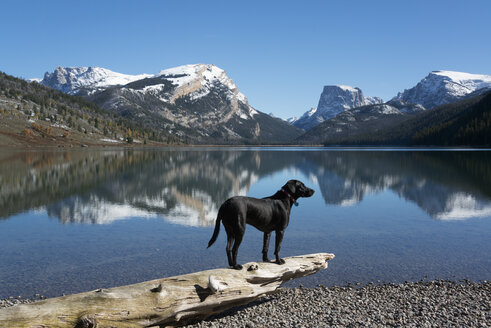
column 301, row 185
column 291, row 186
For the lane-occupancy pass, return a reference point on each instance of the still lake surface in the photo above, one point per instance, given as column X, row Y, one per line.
column 72, row 221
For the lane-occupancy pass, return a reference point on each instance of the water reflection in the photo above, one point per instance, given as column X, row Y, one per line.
column 187, row 186
column 446, row 185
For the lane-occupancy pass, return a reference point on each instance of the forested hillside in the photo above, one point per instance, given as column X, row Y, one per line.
column 34, row 114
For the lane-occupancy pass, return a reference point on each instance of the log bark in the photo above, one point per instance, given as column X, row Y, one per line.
column 164, row 302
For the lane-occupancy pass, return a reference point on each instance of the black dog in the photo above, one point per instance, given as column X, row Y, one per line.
column 267, row 214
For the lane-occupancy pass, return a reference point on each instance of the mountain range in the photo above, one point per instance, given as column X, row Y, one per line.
column 200, row 104
column 359, row 122
column 197, row 103
column 437, row 88
column 466, row 122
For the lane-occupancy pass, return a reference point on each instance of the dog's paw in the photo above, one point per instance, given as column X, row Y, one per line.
column 237, row 267
column 280, row 261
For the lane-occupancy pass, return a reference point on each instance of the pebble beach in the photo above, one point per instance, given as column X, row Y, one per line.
column 438, row 303
column 420, row 304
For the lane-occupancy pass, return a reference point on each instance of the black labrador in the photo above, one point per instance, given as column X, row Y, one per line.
column 266, row 214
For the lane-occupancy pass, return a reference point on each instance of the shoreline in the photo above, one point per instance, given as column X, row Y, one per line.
column 410, row 304
column 155, row 146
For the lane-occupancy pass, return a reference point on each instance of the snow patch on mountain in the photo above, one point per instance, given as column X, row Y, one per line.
column 311, row 112
column 292, row 119
column 385, row 109
column 348, row 88
column 373, row 100
column 470, row 81
column 156, row 88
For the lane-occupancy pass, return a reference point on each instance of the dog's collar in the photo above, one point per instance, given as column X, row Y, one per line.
column 290, row 196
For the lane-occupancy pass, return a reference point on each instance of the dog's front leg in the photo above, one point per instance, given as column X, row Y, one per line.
column 267, row 235
column 278, row 240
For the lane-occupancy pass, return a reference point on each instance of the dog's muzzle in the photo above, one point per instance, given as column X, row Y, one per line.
column 309, row 192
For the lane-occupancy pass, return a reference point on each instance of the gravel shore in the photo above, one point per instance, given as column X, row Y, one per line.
column 413, row 304
column 421, row 304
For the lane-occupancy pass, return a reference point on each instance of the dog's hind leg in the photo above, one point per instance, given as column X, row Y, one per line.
column 230, row 241
column 277, row 246
column 266, row 237
column 238, row 240
column 238, row 233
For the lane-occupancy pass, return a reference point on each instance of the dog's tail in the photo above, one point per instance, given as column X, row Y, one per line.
column 215, row 233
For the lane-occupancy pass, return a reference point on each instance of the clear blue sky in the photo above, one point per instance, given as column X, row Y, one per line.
column 279, row 53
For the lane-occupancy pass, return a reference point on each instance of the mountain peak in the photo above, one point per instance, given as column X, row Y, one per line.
column 200, row 77
column 72, row 79
column 443, row 87
column 334, row 99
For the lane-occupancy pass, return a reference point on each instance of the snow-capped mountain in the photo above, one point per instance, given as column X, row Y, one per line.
column 198, row 103
column 443, row 87
column 334, row 100
column 74, row 80
column 198, row 81
column 337, row 104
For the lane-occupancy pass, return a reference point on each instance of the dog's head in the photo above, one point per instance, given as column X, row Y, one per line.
column 297, row 189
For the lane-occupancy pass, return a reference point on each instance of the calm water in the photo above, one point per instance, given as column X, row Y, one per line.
column 81, row 220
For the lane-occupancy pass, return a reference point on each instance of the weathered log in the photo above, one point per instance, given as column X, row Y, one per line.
column 168, row 301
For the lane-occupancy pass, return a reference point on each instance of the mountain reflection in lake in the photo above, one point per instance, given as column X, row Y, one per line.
column 378, row 211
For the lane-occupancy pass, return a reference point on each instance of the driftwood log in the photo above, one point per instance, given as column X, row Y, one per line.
column 163, row 302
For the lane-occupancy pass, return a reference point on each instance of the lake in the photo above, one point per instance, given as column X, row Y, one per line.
column 73, row 221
